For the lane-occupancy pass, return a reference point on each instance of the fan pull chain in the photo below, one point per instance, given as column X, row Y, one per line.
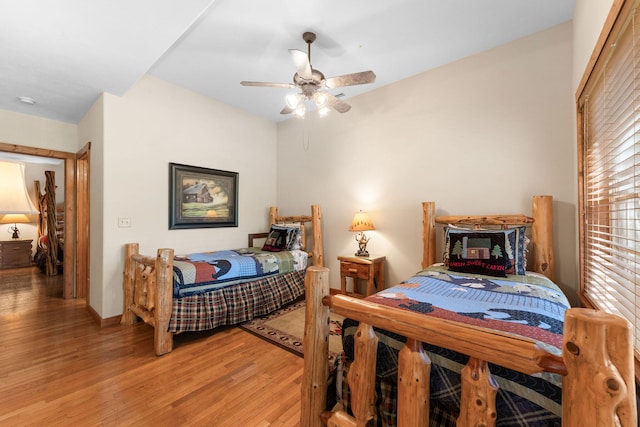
column 306, row 131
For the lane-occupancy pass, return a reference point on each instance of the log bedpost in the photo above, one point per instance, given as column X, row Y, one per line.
column 542, row 236
column 428, row 233
column 163, row 301
column 362, row 374
column 273, row 215
column 478, row 395
column 414, row 368
column 316, row 230
column 129, row 272
column 315, row 345
column 600, row 385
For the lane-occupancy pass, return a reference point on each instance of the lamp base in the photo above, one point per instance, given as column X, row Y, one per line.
column 362, row 240
column 16, row 232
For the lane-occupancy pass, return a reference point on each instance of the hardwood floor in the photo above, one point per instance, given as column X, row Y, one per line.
column 57, row 367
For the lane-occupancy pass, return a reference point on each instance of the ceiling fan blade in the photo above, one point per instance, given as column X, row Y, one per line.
column 268, row 84
column 361, row 78
column 337, row 104
column 301, row 61
column 287, row 110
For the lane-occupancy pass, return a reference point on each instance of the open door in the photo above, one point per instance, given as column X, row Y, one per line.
column 82, row 222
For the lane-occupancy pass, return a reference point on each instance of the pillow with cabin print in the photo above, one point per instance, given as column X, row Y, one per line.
column 296, row 236
column 278, row 239
column 478, row 253
column 516, row 243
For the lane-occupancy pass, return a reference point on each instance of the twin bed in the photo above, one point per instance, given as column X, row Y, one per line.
column 202, row 291
column 475, row 341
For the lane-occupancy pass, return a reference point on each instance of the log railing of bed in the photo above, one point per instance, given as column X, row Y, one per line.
column 148, row 280
column 597, row 354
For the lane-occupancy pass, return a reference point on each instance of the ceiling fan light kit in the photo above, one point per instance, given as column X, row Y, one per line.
column 293, row 100
column 321, row 99
column 312, row 84
column 323, row 111
column 300, row 110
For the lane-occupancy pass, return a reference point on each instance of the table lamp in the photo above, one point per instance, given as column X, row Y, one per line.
column 15, row 219
column 361, row 223
column 15, row 203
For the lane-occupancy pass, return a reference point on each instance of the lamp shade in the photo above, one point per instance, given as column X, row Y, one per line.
column 14, row 219
column 361, row 222
column 14, row 198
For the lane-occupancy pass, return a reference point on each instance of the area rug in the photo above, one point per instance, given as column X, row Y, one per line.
column 285, row 328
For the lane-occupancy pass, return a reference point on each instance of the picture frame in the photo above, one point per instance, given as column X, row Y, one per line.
column 201, row 197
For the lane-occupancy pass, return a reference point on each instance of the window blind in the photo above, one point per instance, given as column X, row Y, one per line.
column 610, row 205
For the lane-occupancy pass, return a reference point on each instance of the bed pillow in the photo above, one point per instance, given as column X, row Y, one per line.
column 516, row 243
column 478, row 253
column 278, row 239
column 295, row 242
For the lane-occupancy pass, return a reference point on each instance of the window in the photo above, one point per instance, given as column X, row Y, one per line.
column 609, row 170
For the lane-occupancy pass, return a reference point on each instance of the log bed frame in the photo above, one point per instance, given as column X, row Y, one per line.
column 148, row 281
column 597, row 354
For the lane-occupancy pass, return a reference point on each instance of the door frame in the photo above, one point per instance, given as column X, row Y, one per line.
column 82, row 222
column 69, row 261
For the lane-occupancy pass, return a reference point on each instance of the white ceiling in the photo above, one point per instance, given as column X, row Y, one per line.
column 65, row 53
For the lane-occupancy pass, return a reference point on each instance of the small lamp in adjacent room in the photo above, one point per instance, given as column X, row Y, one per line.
column 15, row 219
column 361, row 223
column 15, row 203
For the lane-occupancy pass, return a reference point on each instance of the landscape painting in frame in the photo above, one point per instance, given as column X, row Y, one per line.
column 201, row 197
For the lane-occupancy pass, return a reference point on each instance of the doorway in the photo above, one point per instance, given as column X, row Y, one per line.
column 70, row 201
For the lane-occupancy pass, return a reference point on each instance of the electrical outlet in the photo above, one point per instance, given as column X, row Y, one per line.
column 124, row 222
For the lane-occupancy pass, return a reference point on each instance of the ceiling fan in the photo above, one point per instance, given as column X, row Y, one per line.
column 313, row 84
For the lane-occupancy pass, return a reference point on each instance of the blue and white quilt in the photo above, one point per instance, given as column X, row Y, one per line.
column 204, row 271
column 527, row 305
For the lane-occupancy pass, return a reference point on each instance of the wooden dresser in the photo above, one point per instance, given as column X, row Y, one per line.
column 15, row 253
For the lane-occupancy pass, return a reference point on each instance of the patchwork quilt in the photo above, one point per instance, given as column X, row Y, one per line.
column 202, row 272
column 528, row 305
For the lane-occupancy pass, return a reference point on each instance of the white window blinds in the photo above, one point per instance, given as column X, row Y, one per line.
column 611, row 174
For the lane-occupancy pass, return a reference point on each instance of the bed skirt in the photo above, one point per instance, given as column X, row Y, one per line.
column 236, row 303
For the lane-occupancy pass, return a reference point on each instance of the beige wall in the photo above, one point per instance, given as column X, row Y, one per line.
column 91, row 130
column 156, row 123
column 481, row 135
column 588, row 18
column 32, row 131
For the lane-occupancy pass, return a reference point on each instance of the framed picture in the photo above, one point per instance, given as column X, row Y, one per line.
column 201, row 197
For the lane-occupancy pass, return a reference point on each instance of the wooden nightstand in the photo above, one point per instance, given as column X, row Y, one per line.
column 15, row 253
column 369, row 268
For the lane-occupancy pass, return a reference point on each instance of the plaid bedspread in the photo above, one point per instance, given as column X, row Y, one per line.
column 235, row 304
column 201, row 272
column 530, row 306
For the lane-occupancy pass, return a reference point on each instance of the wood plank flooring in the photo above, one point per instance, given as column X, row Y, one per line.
column 58, row 368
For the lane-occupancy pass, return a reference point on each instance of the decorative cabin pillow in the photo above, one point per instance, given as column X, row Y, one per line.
column 516, row 243
column 478, row 253
column 278, row 239
column 295, row 242
column 448, row 229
